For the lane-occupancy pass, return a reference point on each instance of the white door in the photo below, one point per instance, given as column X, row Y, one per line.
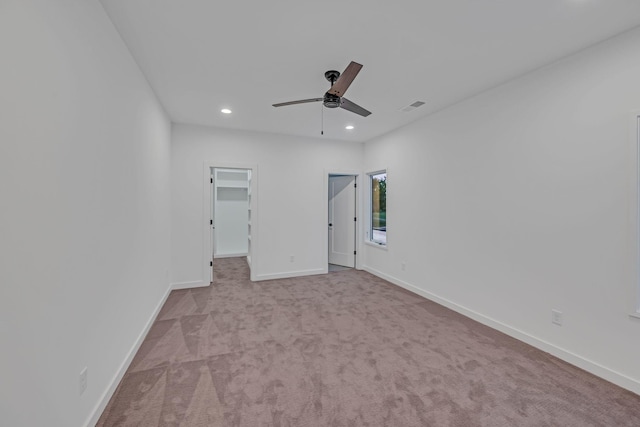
column 342, row 224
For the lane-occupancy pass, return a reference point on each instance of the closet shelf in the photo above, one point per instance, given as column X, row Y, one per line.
column 231, row 184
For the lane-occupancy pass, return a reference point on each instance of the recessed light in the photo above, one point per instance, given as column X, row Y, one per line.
column 225, row 111
column 349, row 127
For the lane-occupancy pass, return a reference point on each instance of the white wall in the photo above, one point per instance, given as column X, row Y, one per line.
column 516, row 202
column 291, row 196
column 84, row 185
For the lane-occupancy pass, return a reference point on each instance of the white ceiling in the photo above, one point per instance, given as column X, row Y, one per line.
column 203, row 55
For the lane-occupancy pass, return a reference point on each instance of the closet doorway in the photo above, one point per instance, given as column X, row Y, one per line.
column 230, row 212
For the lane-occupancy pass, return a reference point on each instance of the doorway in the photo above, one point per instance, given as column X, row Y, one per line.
column 342, row 222
column 230, row 213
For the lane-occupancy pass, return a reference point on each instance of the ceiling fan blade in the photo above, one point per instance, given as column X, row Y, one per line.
column 344, row 81
column 354, row 108
column 302, row 101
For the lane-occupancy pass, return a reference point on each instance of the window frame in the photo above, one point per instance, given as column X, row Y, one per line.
column 369, row 232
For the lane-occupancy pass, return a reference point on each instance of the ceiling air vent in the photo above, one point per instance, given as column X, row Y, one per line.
column 412, row 106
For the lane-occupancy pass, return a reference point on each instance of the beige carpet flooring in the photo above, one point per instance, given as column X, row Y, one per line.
column 345, row 349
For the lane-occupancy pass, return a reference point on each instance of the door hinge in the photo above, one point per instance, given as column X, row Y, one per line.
column 210, row 263
column 211, row 180
column 355, row 185
column 210, row 222
column 354, row 252
column 355, row 218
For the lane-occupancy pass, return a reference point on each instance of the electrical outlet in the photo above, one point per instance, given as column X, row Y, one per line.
column 83, row 380
column 556, row 317
column 403, row 266
column 292, row 258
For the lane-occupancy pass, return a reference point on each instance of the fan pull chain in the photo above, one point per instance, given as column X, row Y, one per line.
column 322, row 119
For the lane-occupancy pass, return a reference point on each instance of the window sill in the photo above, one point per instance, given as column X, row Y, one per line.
column 635, row 314
column 376, row 245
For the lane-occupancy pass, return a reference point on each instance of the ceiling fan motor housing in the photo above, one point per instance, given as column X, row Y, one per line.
column 331, row 100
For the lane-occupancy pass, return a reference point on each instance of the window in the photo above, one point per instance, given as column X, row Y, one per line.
column 378, row 197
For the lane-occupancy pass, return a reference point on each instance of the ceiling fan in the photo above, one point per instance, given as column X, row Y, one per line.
column 334, row 98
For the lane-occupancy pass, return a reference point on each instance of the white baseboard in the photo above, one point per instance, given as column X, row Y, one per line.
column 108, row 393
column 286, row 275
column 187, row 285
column 569, row 357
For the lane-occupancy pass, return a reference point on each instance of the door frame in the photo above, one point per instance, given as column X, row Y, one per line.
column 207, row 207
column 325, row 204
column 634, row 212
